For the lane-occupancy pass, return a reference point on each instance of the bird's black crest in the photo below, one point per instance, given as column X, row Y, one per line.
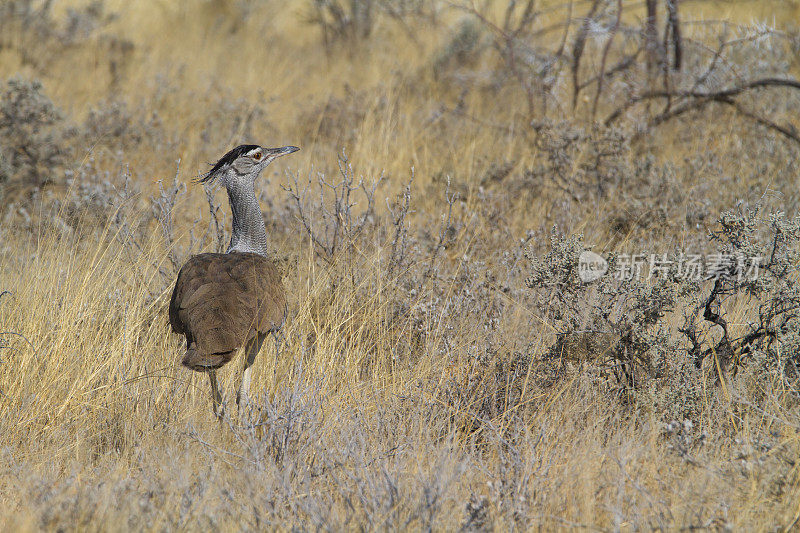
column 227, row 159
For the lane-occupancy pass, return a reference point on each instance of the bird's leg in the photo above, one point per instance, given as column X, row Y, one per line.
column 251, row 350
column 278, row 338
column 215, row 394
column 242, row 396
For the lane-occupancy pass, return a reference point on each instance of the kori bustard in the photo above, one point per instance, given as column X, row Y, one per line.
column 223, row 302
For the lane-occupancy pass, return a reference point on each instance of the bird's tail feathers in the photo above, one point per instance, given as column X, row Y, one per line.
column 199, row 362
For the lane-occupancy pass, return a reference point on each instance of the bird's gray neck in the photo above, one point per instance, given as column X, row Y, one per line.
column 249, row 232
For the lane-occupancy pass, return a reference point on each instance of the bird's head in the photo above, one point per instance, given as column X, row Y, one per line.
column 245, row 162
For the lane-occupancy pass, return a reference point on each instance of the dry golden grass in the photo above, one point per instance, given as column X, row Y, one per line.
column 365, row 425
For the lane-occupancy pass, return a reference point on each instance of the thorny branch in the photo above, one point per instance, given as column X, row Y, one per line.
column 776, row 287
column 536, row 66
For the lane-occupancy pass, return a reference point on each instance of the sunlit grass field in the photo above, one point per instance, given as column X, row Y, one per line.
column 411, row 390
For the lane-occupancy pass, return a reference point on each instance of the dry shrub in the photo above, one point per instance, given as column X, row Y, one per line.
column 32, row 135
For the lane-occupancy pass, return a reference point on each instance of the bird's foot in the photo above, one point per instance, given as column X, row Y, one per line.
column 218, row 407
column 243, row 404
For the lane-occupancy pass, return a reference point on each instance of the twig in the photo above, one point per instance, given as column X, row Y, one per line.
column 577, row 51
column 606, row 49
column 714, row 95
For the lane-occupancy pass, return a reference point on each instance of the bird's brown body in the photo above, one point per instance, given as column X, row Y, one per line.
column 221, row 302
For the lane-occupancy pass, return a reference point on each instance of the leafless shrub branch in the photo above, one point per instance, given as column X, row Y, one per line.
column 163, row 206
column 331, row 221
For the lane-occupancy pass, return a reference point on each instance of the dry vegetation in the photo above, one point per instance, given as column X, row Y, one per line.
column 443, row 366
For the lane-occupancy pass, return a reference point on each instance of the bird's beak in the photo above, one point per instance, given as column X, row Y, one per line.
column 277, row 152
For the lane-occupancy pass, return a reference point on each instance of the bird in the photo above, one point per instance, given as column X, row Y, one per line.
column 224, row 302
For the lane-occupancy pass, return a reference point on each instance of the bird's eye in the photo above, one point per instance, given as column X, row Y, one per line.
column 257, row 156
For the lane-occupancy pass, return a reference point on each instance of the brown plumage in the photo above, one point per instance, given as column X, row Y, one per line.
column 221, row 302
